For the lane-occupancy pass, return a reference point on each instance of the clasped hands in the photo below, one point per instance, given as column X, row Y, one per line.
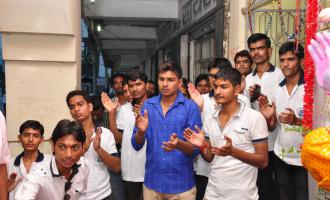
column 197, row 139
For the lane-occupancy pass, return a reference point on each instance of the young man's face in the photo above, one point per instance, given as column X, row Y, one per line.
column 243, row 65
column 289, row 64
column 80, row 109
column 151, row 89
column 118, row 84
column 127, row 93
column 67, row 151
column 138, row 88
column 224, row 91
column 259, row 52
column 212, row 73
column 203, row 86
column 168, row 83
column 30, row 139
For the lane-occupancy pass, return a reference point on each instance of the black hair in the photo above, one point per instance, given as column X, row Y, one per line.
column 257, row 37
column 138, row 75
column 219, row 63
column 230, row 74
column 35, row 125
column 171, row 67
column 77, row 93
column 97, row 103
column 125, row 82
column 116, row 76
column 66, row 127
column 151, row 82
column 243, row 53
column 185, row 83
column 200, row 78
column 291, row 46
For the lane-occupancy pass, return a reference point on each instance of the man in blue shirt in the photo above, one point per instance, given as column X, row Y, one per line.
column 169, row 171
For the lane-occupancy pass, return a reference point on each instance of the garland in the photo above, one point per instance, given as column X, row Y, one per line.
column 312, row 11
column 269, row 24
column 250, row 15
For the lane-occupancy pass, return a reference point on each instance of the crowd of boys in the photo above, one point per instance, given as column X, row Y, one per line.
column 233, row 134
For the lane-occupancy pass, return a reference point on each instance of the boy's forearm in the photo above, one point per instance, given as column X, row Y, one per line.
column 3, row 182
column 113, row 127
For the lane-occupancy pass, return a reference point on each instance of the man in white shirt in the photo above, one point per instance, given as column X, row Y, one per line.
column 64, row 176
column 238, row 142
column 207, row 105
column 30, row 136
column 100, row 147
column 291, row 175
column 264, row 80
column 132, row 162
column 4, row 158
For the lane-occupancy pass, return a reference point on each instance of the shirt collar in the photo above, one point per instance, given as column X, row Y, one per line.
column 53, row 168
column 271, row 69
column 56, row 173
column 17, row 162
column 301, row 79
column 156, row 100
column 238, row 114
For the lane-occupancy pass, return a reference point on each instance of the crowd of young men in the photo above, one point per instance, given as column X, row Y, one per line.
column 234, row 134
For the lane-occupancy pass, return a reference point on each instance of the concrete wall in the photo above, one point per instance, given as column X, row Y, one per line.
column 41, row 49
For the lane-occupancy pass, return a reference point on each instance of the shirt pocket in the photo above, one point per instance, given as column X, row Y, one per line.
column 241, row 137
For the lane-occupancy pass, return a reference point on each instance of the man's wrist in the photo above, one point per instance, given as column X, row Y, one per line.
column 204, row 147
column 98, row 150
column 140, row 133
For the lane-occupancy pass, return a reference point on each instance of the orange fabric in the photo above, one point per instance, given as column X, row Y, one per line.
column 315, row 155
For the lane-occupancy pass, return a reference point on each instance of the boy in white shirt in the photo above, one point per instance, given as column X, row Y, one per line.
column 132, row 162
column 291, row 175
column 238, row 142
column 64, row 176
column 30, row 136
column 100, row 147
column 264, row 78
column 207, row 105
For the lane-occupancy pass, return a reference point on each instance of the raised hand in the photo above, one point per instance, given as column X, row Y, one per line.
column 319, row 50
column 12, row 181
column 196, row 96
column 108, row 104
column 195, row 138
column 287, row 117
column 142, row 122
column 268, row 111
column 171, row 144
column 225, row 150
column 97, row 139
